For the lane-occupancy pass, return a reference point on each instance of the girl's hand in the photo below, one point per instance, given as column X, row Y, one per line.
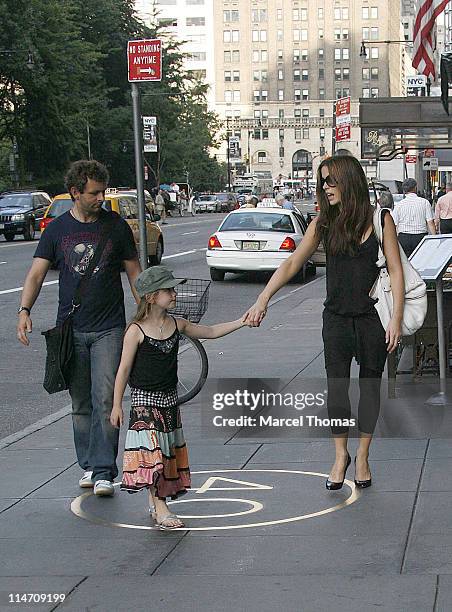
column 393, row 335
column 117, row 417
column 255, row 315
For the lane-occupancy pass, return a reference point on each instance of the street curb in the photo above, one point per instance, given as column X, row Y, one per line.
column 34, row 427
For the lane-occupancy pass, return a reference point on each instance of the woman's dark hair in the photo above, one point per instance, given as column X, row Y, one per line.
column 342, row 226
column 82, row 170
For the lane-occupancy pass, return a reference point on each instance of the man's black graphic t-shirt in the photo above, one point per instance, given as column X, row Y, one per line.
column 71, row 245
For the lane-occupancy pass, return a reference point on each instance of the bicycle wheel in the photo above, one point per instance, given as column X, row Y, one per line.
column 193, row 367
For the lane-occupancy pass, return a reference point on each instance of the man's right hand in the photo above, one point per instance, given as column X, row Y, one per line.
column 24, row 327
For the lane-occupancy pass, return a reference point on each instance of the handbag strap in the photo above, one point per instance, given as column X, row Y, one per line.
column 83, row 284
column 378, row 228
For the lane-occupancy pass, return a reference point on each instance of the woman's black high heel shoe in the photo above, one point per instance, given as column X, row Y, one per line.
column 362, row 484
column 335, row 486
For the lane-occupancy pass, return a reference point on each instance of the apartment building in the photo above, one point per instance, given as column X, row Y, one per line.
column 190, row 21
column 281, row 64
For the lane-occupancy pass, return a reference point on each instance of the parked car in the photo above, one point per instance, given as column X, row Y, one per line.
column 207, row 203
column 21, row 213
column 256, row 239
column 124, row 203
column 228, row 201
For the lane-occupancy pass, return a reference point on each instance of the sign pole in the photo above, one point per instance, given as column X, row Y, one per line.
column 138, row 141
column 333, row 141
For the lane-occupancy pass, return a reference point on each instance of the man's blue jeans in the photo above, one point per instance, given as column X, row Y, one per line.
column 96, row 360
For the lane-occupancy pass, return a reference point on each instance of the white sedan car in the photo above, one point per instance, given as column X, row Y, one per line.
column 256, row 239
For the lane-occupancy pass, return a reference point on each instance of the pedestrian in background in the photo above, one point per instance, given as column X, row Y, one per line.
column 443, row 212
column 413, row 217
column 155, row 456
column 281, row 201
column 351, row 325
column 386, row 200
column 70, row 241
column 160, row 206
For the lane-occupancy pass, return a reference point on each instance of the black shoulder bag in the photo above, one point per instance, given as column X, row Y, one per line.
column 60, row 339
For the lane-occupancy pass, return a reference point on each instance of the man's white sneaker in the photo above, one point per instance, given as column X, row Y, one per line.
column 86, row 481
column 104, row 488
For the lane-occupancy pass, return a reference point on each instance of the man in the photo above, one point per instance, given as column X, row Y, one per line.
column 441, row 191
column 70, row 241
column 160, row 207
column 443, row 212
column 413, row 217
column 281, row 201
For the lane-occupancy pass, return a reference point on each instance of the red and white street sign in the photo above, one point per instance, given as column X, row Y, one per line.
column 343, row 119
column 144, row 60
column 343, row 132
column 411, row 159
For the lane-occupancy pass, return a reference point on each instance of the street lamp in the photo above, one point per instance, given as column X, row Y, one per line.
column 363, row 49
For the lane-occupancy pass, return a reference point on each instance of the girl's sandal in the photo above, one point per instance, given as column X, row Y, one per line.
column 165, row 523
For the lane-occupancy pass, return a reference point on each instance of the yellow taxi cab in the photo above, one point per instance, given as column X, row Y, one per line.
column 125, row 203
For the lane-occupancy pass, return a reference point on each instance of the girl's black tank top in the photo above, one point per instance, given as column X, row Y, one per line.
column 349, row 279
column 155, row 365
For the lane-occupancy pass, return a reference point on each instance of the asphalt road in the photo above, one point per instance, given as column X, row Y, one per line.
column 23, row 399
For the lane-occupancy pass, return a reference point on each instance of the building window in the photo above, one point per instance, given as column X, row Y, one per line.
column 337, row 54
column 296, row 35
column 337, row 34
column 305, row 133
column 281, row 151
column 304, row 55
column 345, row 34
column 321, row 74
column 338, row 93
column 304, row 14
column 366, row 74
column 261, row 157
column 195, row 21
column 345, row 92
column 236, row 76
column 365, row 13
column 228, row 96
column 297, row 133
column 279, row 35
column 296, row 14
column 281, row 113
column 296, row 55
column 321, row 54
column 305, row 75
column 264, row 55
column 374, row 73
column 227, row 76
column 321, row 94
column 264, row 95
column 297, row 113
column 227, row 36
column 256, row 95
column 227, row 57
column 198, row 56
column 305, row 112
column 281, row 133
column 297, row 95
column 264, row 134
column 321, row 34
column 337, row 14
column 279, row 14
column 296, row 75
column 255, row 36
column 305, row 94
column 280, row 54
column 374, row 92
column 322, row 132
column 256, row 56
column 366, row 92
column 337, row 74
column 280, row 75
column 320, row 13
column 259, row 36
column 264, row 76
column 345, row 13
column 321, row 112
column 229, row 16
column 365, row 32
column 373, row 33
column 235, row 36
column 374, row 53
column 256, row 75
column 259, row 15
column 374, row 12
column 281, row 95
column 346, row 53
column 346, row 74
column 236, row 96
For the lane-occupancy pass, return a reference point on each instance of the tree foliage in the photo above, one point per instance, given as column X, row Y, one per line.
column 78, row 85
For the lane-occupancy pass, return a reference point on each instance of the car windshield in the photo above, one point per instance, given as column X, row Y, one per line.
column 59, row 207
column 15, row 201
column 264, row 222
column 221, row 196
column 206, row 198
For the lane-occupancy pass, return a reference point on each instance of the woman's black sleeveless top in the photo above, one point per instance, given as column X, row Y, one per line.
column 349, row 279
column 155, row 365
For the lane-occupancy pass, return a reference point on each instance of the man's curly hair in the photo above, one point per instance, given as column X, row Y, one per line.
column 82, row 170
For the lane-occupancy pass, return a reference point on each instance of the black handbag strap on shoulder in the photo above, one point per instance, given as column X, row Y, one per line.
column 83, row 284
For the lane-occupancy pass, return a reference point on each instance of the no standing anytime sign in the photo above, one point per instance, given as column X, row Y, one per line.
column 144, row 59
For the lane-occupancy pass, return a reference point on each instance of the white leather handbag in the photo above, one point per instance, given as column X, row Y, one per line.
column 415, row 307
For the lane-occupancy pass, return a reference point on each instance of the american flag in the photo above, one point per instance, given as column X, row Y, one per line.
column 423, row 58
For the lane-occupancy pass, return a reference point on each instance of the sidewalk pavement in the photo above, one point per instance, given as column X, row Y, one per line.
column 267, row 534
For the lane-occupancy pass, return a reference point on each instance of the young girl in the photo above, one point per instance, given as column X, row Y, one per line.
column 155, row 456
column 351, row 325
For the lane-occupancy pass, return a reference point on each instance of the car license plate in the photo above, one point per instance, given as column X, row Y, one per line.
column 248, row 245
column 2, row 226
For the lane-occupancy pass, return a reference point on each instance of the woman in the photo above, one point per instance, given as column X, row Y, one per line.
column 351, row 325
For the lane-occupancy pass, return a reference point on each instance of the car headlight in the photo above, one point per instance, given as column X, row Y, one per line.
column 17, row 217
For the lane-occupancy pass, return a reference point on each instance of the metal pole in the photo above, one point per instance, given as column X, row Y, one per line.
column 138, row 141
column 440, row 399
column 88, row 139
column 229, row 157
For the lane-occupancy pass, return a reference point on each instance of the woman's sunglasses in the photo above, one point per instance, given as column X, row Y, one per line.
column 328, row 180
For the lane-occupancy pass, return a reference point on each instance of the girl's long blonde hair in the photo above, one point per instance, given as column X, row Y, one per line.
column 143, row 309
